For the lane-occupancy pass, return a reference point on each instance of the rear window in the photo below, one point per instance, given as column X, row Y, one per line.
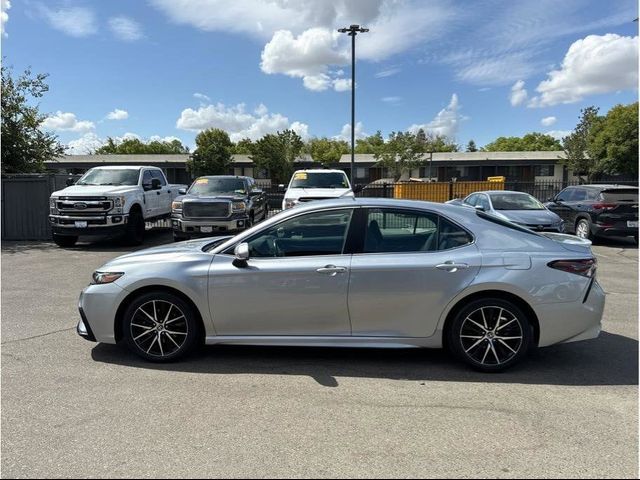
column 620, row 195
column 505, row 223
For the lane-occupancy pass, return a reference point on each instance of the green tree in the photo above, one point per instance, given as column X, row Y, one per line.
column 135, row 146
column 25, row 147
column 371, row 144
column 429, row 142
column 277, row 154
column 576, row 145
column 327, row 151
column 613, row 141
column 213, row 154
column 243, row 147
column 400, row 154
column 531, row 142
column 471, row 146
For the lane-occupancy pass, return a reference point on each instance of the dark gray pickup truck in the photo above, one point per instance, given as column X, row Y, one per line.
column 217, row 204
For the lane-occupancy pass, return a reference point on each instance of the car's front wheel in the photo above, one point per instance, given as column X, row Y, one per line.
column 65, row 241
column 490, row 335
column 160, row 327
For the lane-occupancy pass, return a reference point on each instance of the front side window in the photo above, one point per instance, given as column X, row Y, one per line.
column 318, row 233
column 392, row 231
column 319, row 180
column 471, row 200
column 110, row 176
column 483, row 202
column 579, row 194
column 146, row 178
column 156, row 174
column 564, row 195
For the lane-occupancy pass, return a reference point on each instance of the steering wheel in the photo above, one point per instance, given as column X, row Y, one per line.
column 273, row 247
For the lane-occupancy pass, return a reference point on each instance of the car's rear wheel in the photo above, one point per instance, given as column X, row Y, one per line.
column 490, row 335
column 65, row 241
column 160, row 327
column 583, row 229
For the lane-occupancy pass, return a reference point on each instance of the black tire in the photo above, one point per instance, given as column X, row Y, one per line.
column 65, row 241
column 635, row 237
column 266, row 212
column 583, row 229
column 135, row 228
column 178, row 337
column 481, row 348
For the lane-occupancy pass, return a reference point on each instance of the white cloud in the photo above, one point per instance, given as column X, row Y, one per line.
column 202, row 97
column 118, row 114
column 74, row 21
column 389, row 72
column 446, row 122
column 301, row 129
column 307, row 56
column 125, row 28
column 559, row 134
column 84, row 145
column 66, row 121
column 158, row 138
column 593, row 65
column 518, row 94
column 4, row 16
column 342, row 84
column 236, row 121
column 345, row 133
column 392, row 100
column 548, row 121
column 473, row 68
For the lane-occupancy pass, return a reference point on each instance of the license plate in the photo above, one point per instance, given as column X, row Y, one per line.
column 81, row 224
column 206, row 229
column 632, row 224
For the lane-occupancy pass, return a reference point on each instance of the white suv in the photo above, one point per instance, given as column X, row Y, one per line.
column 321, row 184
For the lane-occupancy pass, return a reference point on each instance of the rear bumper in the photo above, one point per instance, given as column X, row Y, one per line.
column 572, row 321
column 618, row 229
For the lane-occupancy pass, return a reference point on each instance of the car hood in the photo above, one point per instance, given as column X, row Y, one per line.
column 208, row 198
column 295, row 193
column 94, row 190
column 164, row 253
column 530, row 217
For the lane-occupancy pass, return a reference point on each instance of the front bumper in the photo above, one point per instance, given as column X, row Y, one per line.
column 95, row 225
column 193, row 227
column 98, row 305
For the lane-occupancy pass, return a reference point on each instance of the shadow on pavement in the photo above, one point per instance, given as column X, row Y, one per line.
column 622, row 242
column 609, row 360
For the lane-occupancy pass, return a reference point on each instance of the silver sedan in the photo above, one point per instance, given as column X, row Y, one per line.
column 354, row 273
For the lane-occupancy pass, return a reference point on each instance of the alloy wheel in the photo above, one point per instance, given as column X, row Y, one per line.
column 491, row 336
column 582, row 230
column 159, row 328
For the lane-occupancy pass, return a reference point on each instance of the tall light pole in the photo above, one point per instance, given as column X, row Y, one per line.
column 352, row 31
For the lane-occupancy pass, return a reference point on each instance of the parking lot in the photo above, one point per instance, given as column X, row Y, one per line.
column 71, row 408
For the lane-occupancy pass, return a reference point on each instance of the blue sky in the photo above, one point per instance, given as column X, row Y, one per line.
column 471, row 70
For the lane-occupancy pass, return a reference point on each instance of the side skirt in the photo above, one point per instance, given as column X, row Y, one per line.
column 330, row 341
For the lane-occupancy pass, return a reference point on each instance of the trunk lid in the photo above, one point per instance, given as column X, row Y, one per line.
column 570, row 242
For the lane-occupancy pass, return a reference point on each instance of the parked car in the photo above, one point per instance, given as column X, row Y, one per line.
column 111, row 200
column 216, row 204
column 517, row 207
column 354, row 273
column 598, row 210
column 319, row 184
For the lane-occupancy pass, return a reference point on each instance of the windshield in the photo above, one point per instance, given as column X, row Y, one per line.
column 515, row 201
column 319, row 180
column 217, row 186
column 110, row 176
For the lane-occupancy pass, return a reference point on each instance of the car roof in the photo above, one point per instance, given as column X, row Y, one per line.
column 501, row 191
column 223, row 176
column 123, row 167
column 320, row 170
column 605, row 186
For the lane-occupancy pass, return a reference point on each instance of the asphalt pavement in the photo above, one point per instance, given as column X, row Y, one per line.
column 71, row 408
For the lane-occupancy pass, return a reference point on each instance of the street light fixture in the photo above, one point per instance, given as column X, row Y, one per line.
column 352, row 31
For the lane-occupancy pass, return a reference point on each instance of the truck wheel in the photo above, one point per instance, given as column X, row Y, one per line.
column 65, row 241
column 135, row 229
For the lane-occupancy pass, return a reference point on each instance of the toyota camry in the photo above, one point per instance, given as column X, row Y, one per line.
column 354, row 273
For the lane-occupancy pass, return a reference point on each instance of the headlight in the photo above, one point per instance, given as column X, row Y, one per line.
column 176, row 206
column 238, row 207
column 118, row 204
column 106, row 277
column 52, row 205
column 288, row 203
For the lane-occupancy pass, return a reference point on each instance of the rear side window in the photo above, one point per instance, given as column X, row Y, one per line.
column 626, row 195
column 398, row 230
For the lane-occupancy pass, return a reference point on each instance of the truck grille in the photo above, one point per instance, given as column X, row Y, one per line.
column 206, row 209
column 84, row 205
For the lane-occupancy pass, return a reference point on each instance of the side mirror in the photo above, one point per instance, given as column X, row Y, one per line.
column 479, row 207
column 281, row 188
column 255, row 193
column 182, row 191
column 155, row 184
column 70, row 181
column 241, row 253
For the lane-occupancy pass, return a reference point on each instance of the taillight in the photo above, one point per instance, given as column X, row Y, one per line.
column 586, row 267
column 604, row 206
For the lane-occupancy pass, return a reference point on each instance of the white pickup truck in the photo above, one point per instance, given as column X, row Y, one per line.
column 111, row 200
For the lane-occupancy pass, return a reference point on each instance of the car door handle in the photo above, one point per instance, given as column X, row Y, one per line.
column 452, row 267
column 157, row 193
column 331, row 270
